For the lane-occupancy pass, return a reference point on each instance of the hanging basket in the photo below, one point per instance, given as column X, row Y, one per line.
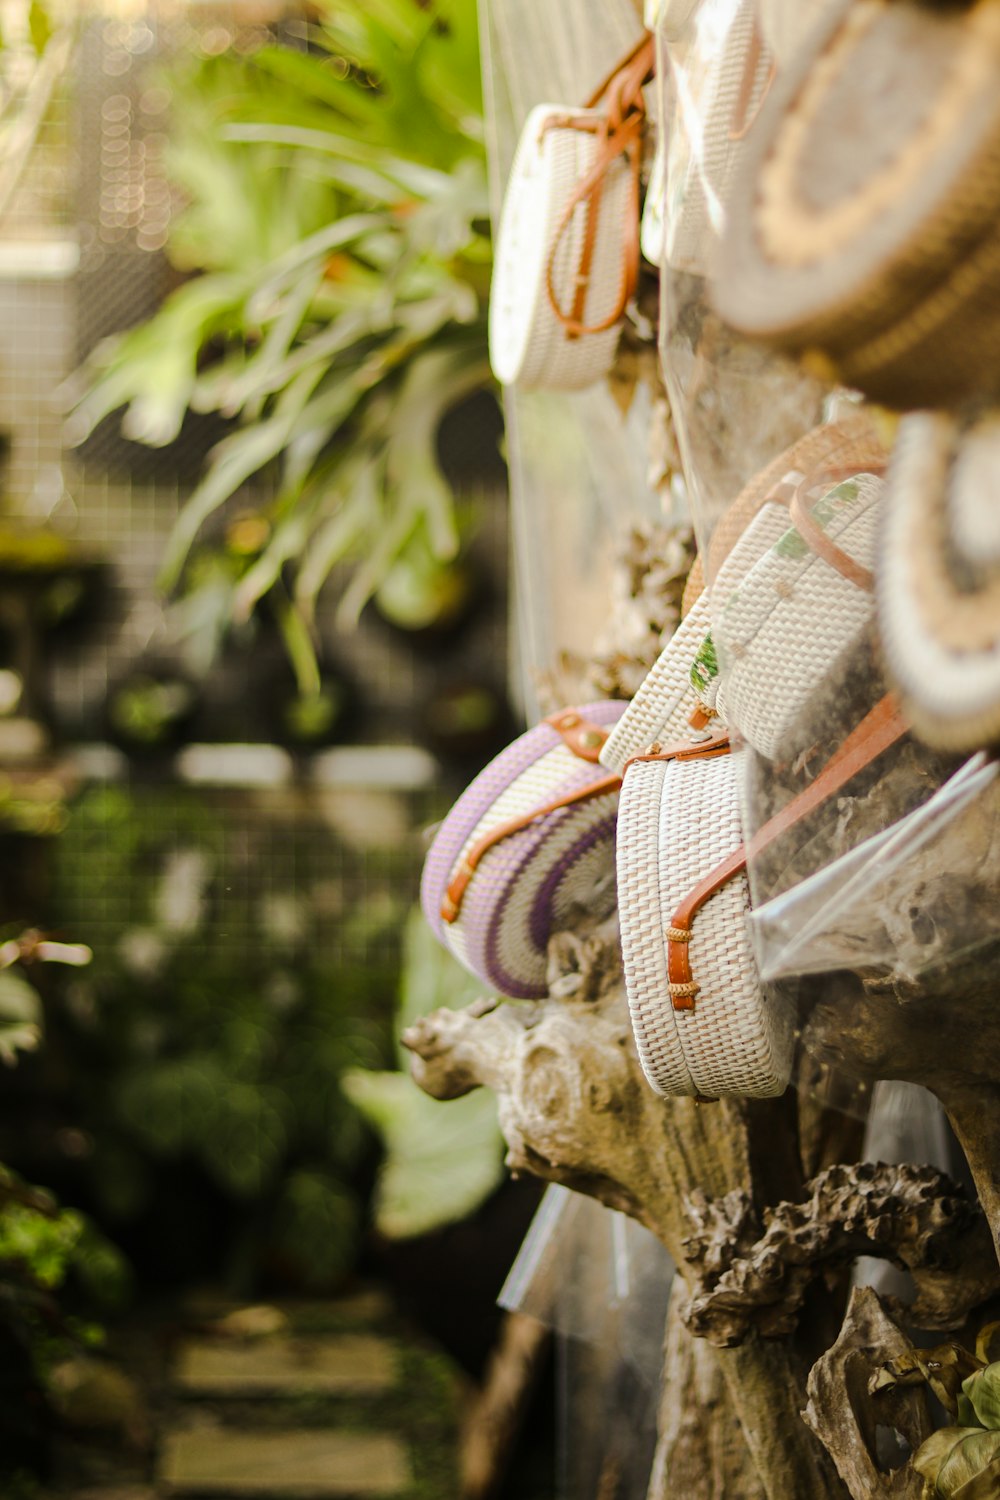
column 528, row 842
column 678, row 819
column 939, row 578
column 798, row 610
column 566, row 260
column 703, row 1022
column 862, row 232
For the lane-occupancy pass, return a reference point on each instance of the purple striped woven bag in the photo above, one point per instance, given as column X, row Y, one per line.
column 531, row 839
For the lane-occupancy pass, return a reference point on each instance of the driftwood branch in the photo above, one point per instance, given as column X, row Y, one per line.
column 861, row 1432
column 914, row 1217
column 574, row 1108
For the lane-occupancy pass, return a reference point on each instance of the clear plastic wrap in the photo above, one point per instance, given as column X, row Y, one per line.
column 734, row 405
column 602, row 1283
column 578, row 460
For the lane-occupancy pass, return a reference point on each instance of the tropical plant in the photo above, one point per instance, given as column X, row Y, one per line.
column 211, row 1033
column 440, row 1163
column 336, row 208
column 36, row 40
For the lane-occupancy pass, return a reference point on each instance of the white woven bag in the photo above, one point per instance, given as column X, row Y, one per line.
column 677, row 820
column 703, row 1022
column 567, row 249
column 801, row 607
column 939, row 577
column 664, row 704
column 715, row 113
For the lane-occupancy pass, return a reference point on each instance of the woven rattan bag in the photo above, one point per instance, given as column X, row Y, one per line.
column 862, row 231
column 703, row 1023
column 721, row 86
column 939, row 578
column 531, row 839
column 801, row 606
column 566, row 260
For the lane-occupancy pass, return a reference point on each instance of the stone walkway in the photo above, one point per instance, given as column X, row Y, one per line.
column 322, row 1401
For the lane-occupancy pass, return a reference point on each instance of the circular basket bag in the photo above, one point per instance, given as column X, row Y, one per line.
column 862, row 231
column 531, row 839
column 850, row 442
column 801, row 607
column 939, row 578
column 678, row 820
column 662, row 709
column 703, row 1022
column 705, row 155
column 530, row 345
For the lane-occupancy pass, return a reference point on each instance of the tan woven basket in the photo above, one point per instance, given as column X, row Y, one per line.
column 862, row 233
column 939, row 578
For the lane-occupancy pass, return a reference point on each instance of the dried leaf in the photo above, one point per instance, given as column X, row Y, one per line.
column 943, row 1368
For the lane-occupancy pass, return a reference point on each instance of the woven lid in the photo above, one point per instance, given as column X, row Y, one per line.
column 793, row 615
column 662, row 708
column 706, row 149
column 938, row 585
column 678, row 820
column 529, row 346
column 529, row 882
column 863, row 227
column 852, row 441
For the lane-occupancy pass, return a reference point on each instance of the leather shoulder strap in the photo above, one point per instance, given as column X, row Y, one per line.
column 877, row 731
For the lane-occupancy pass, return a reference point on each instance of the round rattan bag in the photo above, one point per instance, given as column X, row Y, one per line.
column 566, row 260
column 678, row 820
column 862, row 232
column 703, row 1022
column 939, row 578
column 801, row 606
column 528, row 842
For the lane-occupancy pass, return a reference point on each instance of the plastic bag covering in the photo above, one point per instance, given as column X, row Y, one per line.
column 602, row 1283
column 908, row 898
column 578, row 464
column 906, row 1124
column 734, row 406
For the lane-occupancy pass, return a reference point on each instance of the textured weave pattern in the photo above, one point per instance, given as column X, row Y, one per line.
column 706, row 158
column 678, row 821
column 942, row 643
column 640, row 921
column 529, row 346
column 661, row 708
column 531, row 879
column 785, row 625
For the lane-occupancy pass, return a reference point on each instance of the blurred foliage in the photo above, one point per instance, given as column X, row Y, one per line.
column 214, row 1027
column 36, row 41
column 441, row 1160
column 336, row 210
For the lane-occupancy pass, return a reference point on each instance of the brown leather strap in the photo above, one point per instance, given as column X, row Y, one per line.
column 813, row 534
column 619, row 133
column 706, row 749
column 878, row 730
column 582, row 736
column 451, row 906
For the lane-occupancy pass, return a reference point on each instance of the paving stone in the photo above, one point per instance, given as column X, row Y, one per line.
column 346, row 1364
column 305, row 1465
